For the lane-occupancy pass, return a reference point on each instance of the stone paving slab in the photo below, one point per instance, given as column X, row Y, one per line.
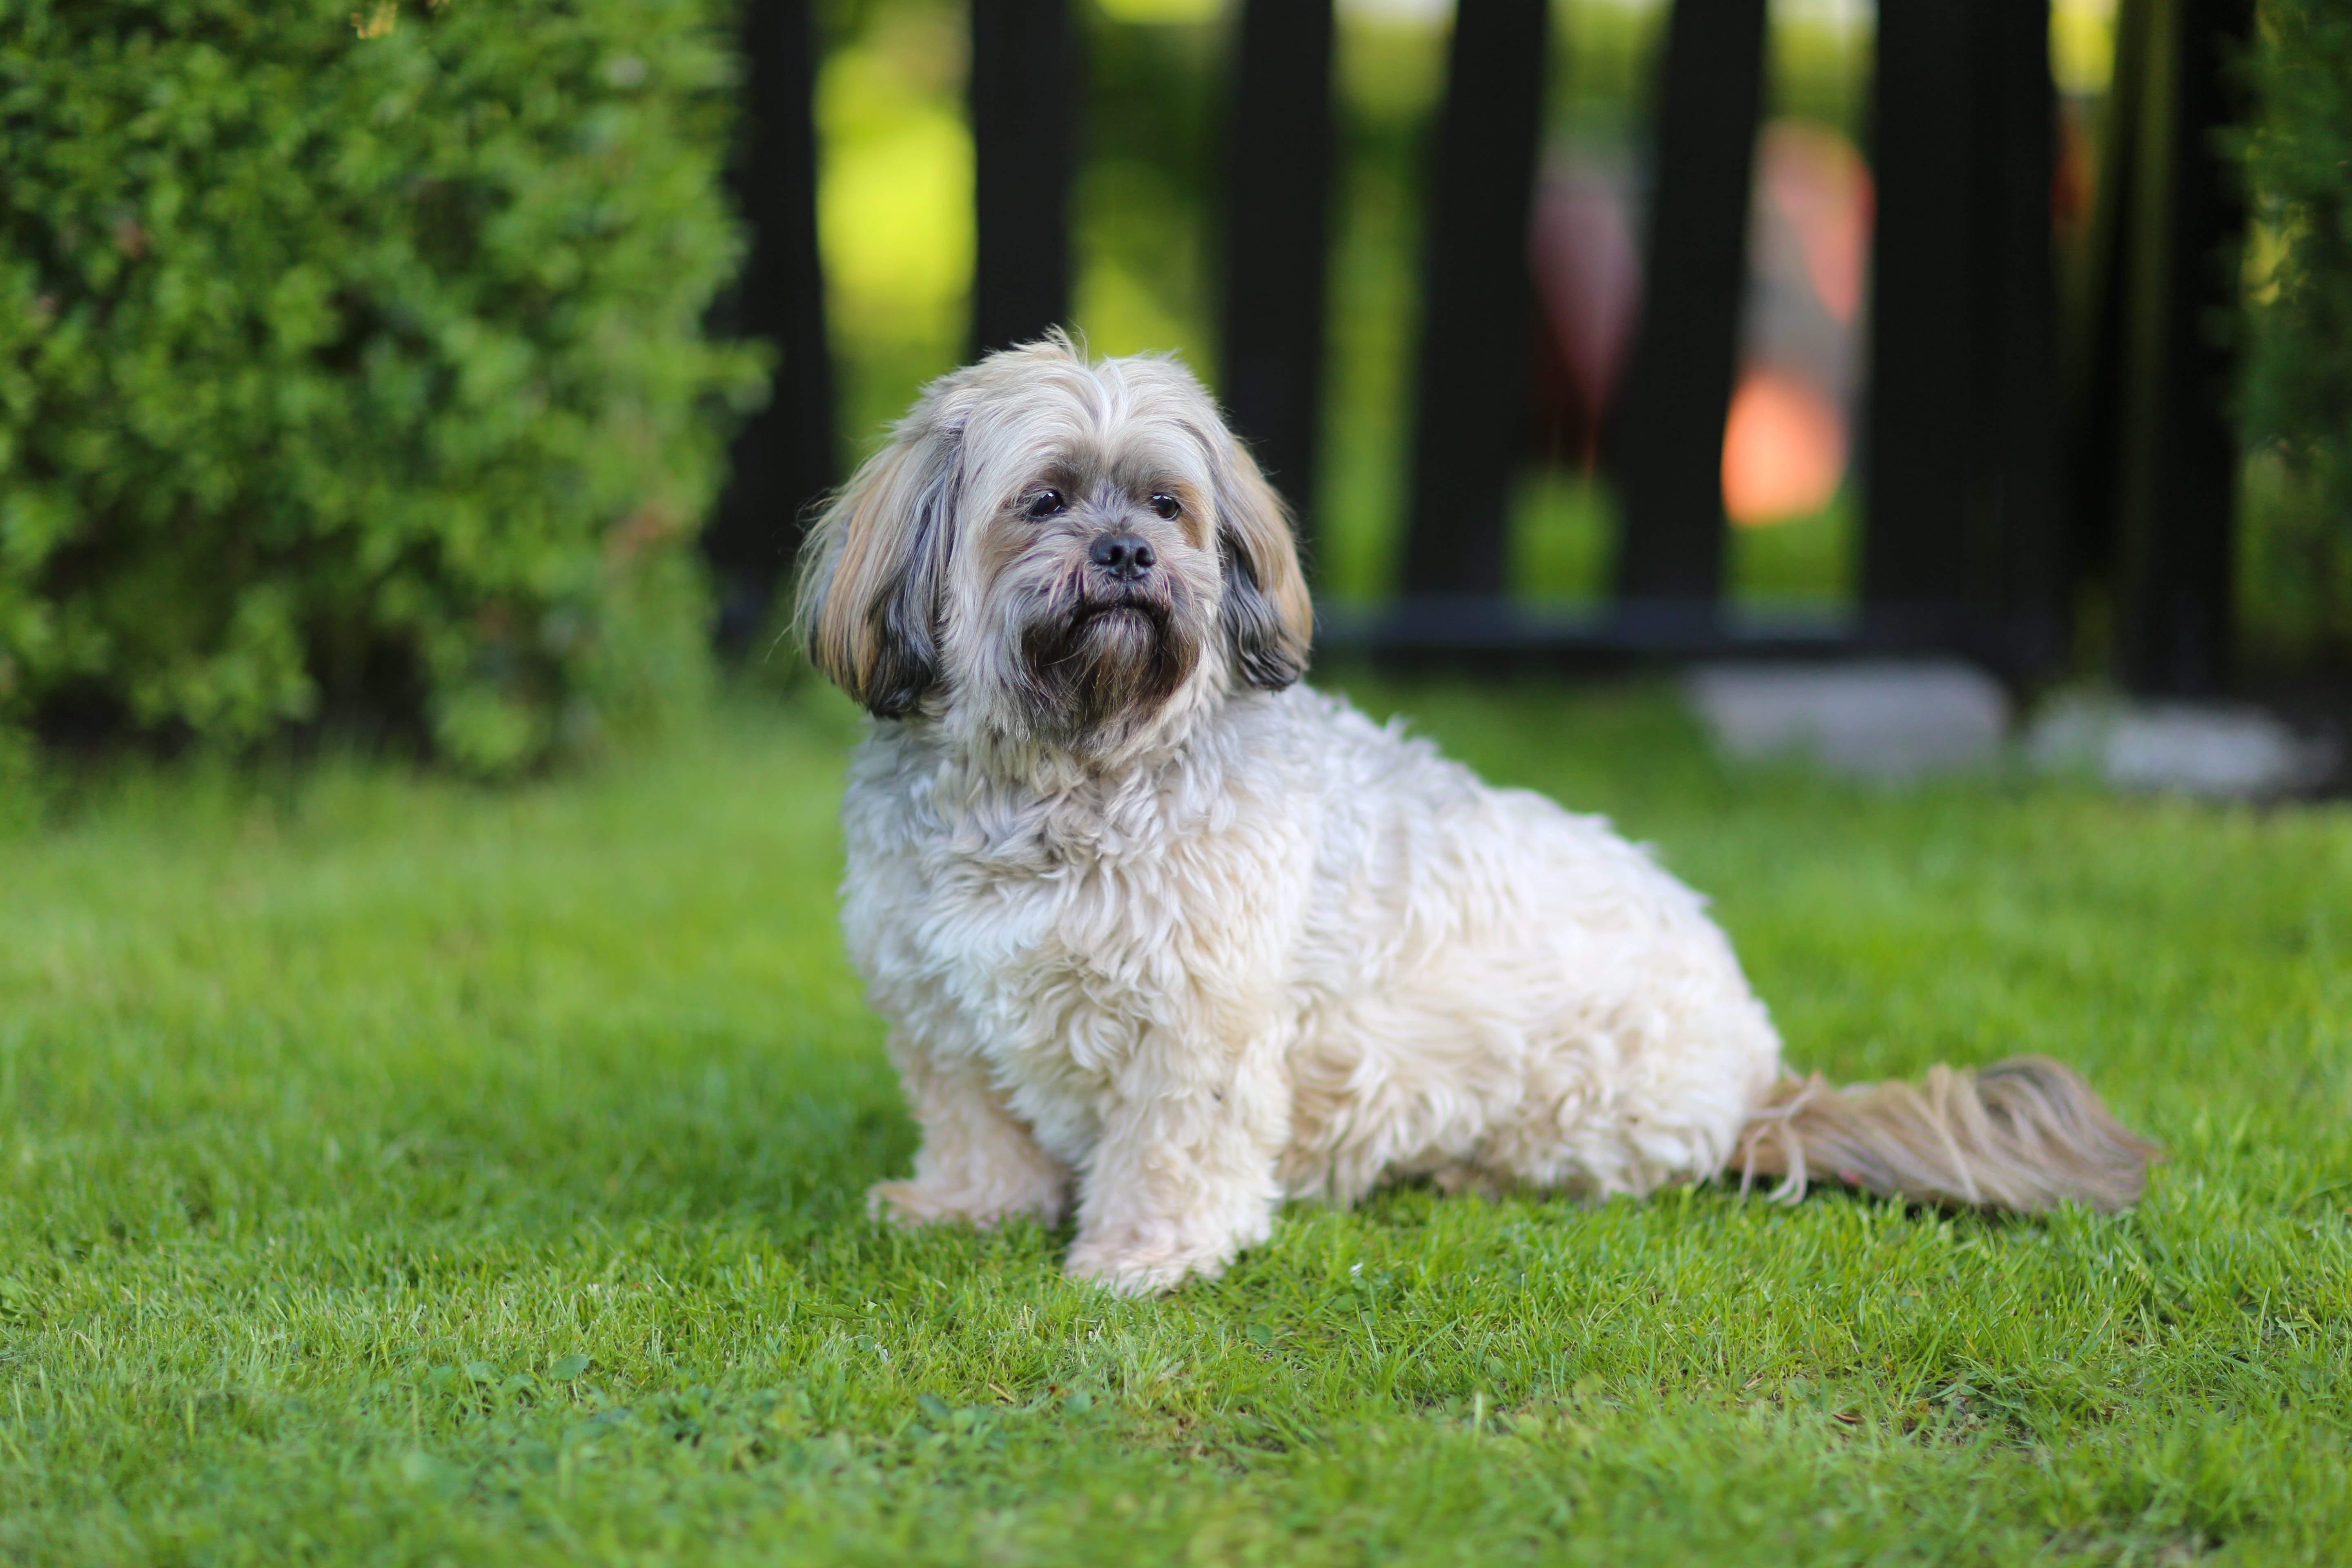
column 1877, row 719
column 1893, row 720
column 2212, row 750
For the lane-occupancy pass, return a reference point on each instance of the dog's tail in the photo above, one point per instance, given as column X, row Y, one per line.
column 2021, row 1135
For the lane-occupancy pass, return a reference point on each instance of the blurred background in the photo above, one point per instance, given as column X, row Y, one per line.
column 381, row 372
column 897, row 239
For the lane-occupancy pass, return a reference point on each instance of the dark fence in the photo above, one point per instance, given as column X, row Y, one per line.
column 2011, row 466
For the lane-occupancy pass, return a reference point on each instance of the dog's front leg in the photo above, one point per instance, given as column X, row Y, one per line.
column 1184, row 1177
column 978, row 1162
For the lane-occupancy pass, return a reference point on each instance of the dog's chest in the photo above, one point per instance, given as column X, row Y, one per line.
column 1059, row 945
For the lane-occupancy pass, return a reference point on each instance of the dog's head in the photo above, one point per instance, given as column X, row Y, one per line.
column 1059, row 551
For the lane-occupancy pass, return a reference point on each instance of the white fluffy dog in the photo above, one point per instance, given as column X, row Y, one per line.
column 1156, row 926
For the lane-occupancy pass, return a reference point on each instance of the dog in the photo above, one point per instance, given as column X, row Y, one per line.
column 1163, row 933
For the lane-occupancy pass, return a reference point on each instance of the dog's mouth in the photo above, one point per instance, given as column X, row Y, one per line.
column 1111, row 654
column 1116, row 628
column 1128, row 603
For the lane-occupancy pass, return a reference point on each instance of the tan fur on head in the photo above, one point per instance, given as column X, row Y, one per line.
column 867, row 592
column 2024, row 1134
column 939, row 576
column 1270, row 627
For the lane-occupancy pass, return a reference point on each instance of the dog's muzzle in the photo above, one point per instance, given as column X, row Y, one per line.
column 1127, row 599
column 1117, row 647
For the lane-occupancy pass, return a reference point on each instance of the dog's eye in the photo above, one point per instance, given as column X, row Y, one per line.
column 1046, row 503
column 1166, row 505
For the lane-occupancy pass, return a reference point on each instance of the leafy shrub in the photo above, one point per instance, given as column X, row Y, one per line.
column 353, row 363
column 2297, row 400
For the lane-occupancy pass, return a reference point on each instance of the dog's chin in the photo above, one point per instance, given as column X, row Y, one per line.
column 1106, row 666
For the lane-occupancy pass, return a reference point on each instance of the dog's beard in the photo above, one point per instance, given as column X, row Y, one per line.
column 1097, row 659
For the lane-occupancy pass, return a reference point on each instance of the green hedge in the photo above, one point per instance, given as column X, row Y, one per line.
column 354, row 363
column 2297, row 396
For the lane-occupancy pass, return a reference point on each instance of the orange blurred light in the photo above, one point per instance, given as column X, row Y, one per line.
column 1783, row 450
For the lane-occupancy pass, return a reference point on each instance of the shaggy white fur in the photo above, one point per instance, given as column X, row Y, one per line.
column 1154, row 927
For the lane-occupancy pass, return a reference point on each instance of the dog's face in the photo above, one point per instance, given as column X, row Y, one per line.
column 1056, row 553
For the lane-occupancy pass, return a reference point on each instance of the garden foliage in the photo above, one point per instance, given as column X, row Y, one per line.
column 353, row 363
column 2298, row 381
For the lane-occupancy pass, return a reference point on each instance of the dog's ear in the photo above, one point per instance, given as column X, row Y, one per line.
column 868, row 603
column 1268, row 619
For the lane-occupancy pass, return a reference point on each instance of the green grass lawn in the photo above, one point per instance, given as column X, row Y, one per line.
column 395, row 1172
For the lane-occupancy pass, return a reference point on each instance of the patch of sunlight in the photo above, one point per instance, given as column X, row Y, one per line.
column 1419, row 13
column 2267, row 244
column 1808, row 562
column 1845, row 15
column 1119, row 315
column 1563, row 536
column 2083, row 44
column 894, row 207
column 1163, row 12
column 1389, row 60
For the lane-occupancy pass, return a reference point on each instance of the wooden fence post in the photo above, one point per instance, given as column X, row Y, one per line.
column 2178, row 260
column 1668, row 443
column 1922, row 489
column 785, row 455
column 1276, row 240
column 1477, row 300
column 2018, row 104
column 1025, row 93
column 1963, row 535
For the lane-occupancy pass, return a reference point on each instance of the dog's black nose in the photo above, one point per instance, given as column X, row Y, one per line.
column 1123, row 555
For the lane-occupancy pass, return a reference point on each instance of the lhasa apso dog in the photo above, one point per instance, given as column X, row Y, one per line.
column 1161, row 932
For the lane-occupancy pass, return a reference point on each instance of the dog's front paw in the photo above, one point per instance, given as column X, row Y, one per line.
column 1147, row 1269
column 917, row 1202
column 906, row 1203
